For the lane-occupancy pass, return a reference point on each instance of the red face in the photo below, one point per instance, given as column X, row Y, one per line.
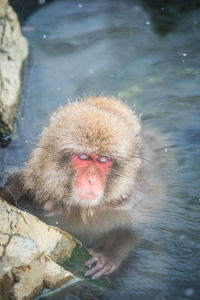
column 90, row 175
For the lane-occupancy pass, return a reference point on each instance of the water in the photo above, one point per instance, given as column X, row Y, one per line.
column 79, row 48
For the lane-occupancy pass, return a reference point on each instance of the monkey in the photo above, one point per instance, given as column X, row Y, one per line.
column 87, row 169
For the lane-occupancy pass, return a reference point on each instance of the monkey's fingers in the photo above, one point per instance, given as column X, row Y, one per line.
column 91, row 261
column 112, row 269
column 94, row 270
column 105, row 271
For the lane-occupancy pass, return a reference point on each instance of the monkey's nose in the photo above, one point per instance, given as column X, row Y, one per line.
column 91, row 179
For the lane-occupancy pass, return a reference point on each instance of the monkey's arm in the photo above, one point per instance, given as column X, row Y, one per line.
column 109, row 252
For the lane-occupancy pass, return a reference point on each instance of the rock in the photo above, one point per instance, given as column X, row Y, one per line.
column 13, row 52
column 29, row 254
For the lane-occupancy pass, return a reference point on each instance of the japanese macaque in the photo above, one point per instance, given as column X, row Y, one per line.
column 87, row 168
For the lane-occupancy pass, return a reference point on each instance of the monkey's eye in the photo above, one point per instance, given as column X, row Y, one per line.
column 103, row 159
column 83, row 156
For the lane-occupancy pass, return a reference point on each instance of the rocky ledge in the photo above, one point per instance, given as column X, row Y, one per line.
column 31, row 255
column 13, row 52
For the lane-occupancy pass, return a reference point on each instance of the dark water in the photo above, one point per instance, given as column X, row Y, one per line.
column 83, row 47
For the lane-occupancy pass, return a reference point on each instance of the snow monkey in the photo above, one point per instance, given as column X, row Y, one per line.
column 87, row 168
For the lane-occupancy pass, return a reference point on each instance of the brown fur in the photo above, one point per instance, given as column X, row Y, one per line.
column 102, row 126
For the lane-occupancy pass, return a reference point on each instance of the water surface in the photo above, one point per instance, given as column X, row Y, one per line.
column 79, row 48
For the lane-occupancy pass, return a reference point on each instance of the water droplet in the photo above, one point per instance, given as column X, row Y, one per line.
column 57, row 222
column 196, row 22
column 189, row 292
column 80, row 5
column 162, row 8
column 165, row 150
column 44, row 36
column 147, row 22
column 184, row 54
column 26, row 141
column 181, row 237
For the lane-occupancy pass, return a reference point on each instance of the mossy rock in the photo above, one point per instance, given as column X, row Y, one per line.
column 85, row 288
column 76, row 265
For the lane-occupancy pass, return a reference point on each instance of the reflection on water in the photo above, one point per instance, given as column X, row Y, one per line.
column 109, row 47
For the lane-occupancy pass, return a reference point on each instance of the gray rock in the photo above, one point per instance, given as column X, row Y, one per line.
column 13, row 52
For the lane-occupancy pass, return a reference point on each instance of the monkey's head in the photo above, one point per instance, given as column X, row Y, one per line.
column 88, row 155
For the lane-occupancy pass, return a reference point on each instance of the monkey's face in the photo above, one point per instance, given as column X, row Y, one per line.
column 90, row 178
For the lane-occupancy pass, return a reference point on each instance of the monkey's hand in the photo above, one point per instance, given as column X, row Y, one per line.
column 109, row 252
column 104, row 265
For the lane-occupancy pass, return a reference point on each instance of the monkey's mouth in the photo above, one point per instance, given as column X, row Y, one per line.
column 88, row 196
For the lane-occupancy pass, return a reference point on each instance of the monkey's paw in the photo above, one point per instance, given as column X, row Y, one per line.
column 103, row 265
